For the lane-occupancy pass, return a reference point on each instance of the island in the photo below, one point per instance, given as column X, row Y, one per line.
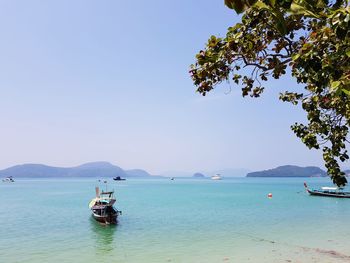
column 198, row 175
column 290, row 171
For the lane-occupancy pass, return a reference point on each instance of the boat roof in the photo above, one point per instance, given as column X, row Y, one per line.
column 107, row 193
column 329, row 188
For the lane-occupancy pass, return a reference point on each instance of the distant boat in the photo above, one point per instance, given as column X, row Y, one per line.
column 328, row 191
column 102, row 207
column 172, row 178
column 118, row 178
column 8, row 179
column 216, row 177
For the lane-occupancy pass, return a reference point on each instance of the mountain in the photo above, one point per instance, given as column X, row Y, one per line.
column 97, row 169
column 198, row 175
column 93, row 169
column 33, row 170
column 137, row 173
column 290, row 171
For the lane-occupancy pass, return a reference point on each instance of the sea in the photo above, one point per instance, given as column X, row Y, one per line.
column 180, row 220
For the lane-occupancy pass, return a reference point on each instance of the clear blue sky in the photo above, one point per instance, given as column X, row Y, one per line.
column 106, row 80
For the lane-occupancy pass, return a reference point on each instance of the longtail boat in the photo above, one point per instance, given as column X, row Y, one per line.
column 328, row 191
column 102, row 207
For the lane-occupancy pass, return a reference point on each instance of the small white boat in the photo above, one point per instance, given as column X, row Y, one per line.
column 216, row 177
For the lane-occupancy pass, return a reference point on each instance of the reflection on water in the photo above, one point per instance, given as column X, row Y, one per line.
column 103, row 235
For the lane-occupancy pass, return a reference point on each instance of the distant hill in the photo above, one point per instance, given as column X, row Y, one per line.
column 290, row 171
column 198, row 175
column 94, row 169
column 137, row 173
column 33, row 170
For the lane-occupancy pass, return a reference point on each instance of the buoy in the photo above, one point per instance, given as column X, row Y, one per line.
column 269, row 195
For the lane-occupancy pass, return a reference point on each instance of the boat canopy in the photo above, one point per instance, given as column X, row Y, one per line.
column 107, row 193
column 330, row 188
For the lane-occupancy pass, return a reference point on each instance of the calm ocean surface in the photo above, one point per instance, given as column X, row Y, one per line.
column 185, row 220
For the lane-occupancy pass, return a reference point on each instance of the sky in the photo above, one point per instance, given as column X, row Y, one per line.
column 84, row 81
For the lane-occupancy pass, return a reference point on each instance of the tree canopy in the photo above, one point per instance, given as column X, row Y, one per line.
column 309, row 39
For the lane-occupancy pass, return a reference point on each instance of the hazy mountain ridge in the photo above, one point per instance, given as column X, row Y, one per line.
column 137, row 173
column 106, row 169
column 93, row 169
column 290, row 171
column 198, row 175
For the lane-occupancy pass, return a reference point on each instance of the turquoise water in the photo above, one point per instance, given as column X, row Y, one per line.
column 185, row 220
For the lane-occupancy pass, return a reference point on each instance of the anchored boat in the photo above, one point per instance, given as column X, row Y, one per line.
column 328, row 191
column 102, row 207
column 216, row 177
column 8, row 180
column 118, row 178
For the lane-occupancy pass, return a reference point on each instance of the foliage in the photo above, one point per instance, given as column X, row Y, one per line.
column 309, row 40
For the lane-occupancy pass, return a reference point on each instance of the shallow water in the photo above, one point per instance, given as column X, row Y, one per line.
column 185, row 220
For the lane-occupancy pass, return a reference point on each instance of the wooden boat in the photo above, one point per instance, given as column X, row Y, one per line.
column 328, row 191
column 102, row 207
column 118, row 178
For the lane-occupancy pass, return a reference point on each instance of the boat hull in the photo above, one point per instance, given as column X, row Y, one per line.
column 216, row 178
column 108, row 219
column 118, row 178
column 328, row 194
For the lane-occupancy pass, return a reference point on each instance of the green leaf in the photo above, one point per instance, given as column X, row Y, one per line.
column 302, row 10
column 238, row 5
column 280, row 22
column 261, row 5
column 270, row 2
column 335, row 84
column 296, row 56
column 347, row 92
column 348, row 53
column 252, row 2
